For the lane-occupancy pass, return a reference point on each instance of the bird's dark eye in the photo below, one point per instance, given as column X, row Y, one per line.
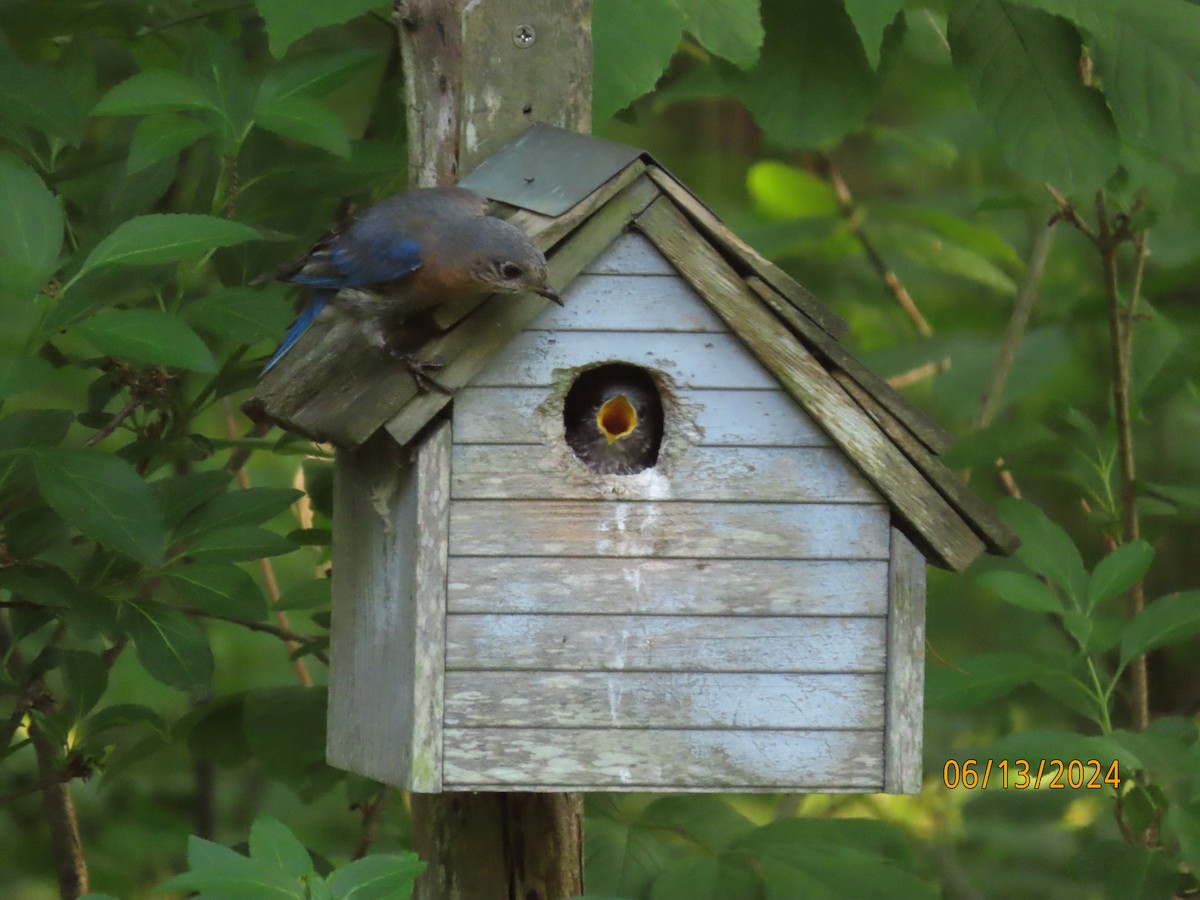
column 511, row 270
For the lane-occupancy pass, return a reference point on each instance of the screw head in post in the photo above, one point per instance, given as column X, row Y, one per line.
column 524, row 36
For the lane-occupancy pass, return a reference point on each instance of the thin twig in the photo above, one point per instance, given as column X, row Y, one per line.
column 920, row 373
column 114, row 423
column 846, row 204
column 1120, row 322
column 372, row 819
column 1023, row 304
column 268, row 571
column 69, row 861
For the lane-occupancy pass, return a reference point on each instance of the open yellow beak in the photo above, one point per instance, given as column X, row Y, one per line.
column 616, row 418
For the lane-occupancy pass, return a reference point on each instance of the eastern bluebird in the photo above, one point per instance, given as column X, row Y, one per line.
column 613, row 419
column 410, row 252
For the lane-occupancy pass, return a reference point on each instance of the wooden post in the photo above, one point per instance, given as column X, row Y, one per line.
column 478, row 73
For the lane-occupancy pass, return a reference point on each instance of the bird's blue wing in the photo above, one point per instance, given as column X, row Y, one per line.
column 371, row 251
column 307, row 316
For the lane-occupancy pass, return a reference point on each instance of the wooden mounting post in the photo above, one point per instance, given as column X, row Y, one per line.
column 478, row 73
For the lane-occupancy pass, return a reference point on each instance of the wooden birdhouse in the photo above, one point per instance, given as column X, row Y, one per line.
column 526, row 600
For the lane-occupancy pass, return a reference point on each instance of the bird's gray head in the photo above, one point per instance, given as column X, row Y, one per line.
column 505, row 259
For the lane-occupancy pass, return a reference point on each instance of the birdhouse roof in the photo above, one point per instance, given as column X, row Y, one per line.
column 573, row 194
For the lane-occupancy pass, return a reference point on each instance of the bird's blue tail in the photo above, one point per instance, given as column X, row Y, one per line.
column 306, row 318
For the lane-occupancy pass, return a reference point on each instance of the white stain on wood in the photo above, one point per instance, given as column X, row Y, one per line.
column 722, row 418
column 671, row 530
column 664, row 643
column 668, row 586
column 650, row 759
column 663, row 700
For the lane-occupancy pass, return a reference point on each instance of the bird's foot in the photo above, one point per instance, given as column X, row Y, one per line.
column 420, row 372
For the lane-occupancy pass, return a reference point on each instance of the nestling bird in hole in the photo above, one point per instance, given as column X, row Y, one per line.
column 613, row 419
column 406, row 254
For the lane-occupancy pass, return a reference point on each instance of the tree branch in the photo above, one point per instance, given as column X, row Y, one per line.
column 890, row 279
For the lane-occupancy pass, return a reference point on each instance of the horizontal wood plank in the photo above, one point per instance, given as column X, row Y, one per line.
column 723, row 418
column 576, row 643
column 662, row 700
column 629, row 254
column 700, row 587
column 768, row 474
column 630, row 303
column 690, row 360
column 626, row 760
column 666, row 530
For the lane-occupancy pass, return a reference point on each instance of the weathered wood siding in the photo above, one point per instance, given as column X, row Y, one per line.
column 719, row 621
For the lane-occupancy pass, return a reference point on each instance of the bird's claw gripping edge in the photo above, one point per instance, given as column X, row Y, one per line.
column 419, row 368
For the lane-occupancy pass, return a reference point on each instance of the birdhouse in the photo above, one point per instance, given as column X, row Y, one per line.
column 669, row 536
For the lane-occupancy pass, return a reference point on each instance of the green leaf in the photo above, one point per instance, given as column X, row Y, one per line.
column 169, row 645
column 165, row 238
column 305, row 120
column 379, row 877
column 1021, row 590
column 985, row 241
column 31, row 229
column 274, row 845
column 178, row 495
column 160, row 137
column 148, row 336
column 731, row 29
column 153, row 91
column 285, row 728
column 239, row 544
column 313, row 74
column 1148, row 59
column 1165, row 621
column 1045, row 548
column 20, row 374
column 220, row 590
column 1119, row 571
column 623, row 858
column 86, row 676
column 1021, row 66
column 307, row 595
column 105, row 498
column 783, row 192
column 633, row 41
column 39, row 97
column 935, row 252
column 217, row 871
column 871, row 18
column 122, row 715
column 250, row 506
column 244, row 315
column 813, row 84
column 707, row 879
column 979, row 679
column 87, row 612
column 288, row 21
column 25, row 429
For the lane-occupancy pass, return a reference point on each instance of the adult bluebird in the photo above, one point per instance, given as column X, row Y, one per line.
column 408, row 253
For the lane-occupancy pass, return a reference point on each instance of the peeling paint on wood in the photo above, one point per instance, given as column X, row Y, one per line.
column 722, row 418
column 766, row 474
column 682, row 529
column 701, row 587
column 385, row 681
column 906, row 668
column 665, row 643
column 516, row 758
column 718, row 701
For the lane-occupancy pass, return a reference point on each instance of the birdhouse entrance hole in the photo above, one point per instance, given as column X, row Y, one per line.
column 613, row 419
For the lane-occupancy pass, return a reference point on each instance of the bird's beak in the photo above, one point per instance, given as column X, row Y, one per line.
column 616, row 418
column 550, row 294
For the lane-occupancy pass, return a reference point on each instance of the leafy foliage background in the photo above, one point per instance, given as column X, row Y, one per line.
column 929, row 168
